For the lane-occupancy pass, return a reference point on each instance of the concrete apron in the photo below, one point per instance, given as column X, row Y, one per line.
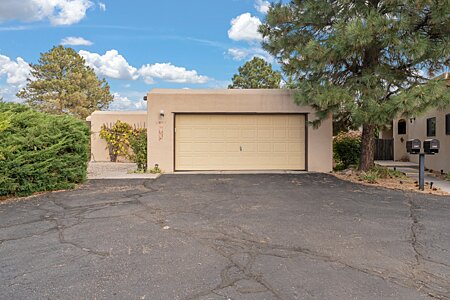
column 238, row 172
column 109, row 170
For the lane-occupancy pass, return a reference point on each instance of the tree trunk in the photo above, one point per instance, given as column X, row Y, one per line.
column 367, row 147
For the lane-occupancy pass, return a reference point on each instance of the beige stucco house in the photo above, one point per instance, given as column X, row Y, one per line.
column 225, row 130
column 216, row 130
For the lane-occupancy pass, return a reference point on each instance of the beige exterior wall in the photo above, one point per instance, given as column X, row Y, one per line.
column 99, row 151
column 170, row 102
column 417, row 129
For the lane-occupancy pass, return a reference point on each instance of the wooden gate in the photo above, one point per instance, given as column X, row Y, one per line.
column 384, row 149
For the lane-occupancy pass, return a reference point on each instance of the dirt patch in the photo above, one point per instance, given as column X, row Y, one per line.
column 405, row 184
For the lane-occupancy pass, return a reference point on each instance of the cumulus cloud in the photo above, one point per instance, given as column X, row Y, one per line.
column 124, row 103
column 170, row 73
column 102, row 6
column 248, row 53
column 245, row 28
column 262, row 6
column 58, row 12
column 111, row 64
column 16, row 71
column 75, row 41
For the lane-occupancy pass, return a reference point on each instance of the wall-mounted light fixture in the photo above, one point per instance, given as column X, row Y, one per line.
column 413, row 119
column 145, row 98
column 161, row 113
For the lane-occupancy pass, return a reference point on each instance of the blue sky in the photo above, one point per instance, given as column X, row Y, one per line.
column 136, row 45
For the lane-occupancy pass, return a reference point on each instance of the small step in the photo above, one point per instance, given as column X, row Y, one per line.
column 396, row 164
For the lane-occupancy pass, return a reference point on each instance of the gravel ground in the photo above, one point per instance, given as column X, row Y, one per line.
column 110, row 170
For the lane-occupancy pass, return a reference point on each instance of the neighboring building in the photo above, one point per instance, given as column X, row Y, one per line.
column 99, row 148
column 218, row 130
column 434, row 124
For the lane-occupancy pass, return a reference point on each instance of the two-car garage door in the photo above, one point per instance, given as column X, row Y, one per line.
column 239, row 142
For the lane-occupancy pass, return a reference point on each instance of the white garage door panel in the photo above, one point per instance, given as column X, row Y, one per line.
column 239, row 142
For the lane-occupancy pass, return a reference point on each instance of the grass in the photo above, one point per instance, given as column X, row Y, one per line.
column 370, row 176
column 447, row 177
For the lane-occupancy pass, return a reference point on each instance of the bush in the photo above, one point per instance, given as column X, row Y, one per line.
column 40, row 152
column 117, row 137
column 138, row 143
column 347, row 149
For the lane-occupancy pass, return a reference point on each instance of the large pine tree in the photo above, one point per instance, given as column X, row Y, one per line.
column 371, row 59
column 61, row 83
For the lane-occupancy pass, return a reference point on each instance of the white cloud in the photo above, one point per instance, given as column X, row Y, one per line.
column 238, row 54
column 111, row 64
column 8, row 93
column 262, row 6
column 75, row 41
column 124, row 103
column 59, row 12
column 16, row 71
column 69, row 12
column 102, row 6
column 170, row 73
column 248, row 53
column 245, row 28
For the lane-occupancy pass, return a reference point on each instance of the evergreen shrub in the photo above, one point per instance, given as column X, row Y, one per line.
column 40, row 152
column 347, row 149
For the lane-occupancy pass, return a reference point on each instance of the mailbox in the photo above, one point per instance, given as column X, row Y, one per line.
column 431, row 146
column 413, row 146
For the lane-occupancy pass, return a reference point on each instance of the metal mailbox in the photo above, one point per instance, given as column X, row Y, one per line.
column 431, row 146
column 413, row 146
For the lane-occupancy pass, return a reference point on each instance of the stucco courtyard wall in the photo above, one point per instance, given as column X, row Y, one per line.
column 163, row 104
column 417, row 129
column 99, row 151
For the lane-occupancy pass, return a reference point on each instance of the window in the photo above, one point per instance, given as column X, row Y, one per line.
column 401, row 127
column 431, row 127
column 447, row 124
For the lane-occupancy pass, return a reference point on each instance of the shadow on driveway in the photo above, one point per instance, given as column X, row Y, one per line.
column 305, row 236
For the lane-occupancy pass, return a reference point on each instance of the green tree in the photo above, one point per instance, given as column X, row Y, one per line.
column 256, row 74
column 371, row 59
column 61, row 83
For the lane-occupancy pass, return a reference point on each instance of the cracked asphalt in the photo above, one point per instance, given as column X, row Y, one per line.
column 305, row 236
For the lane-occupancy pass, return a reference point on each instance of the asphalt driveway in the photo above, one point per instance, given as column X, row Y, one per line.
column 307, row 236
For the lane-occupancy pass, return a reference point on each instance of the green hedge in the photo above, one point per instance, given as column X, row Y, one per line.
column 40, row 152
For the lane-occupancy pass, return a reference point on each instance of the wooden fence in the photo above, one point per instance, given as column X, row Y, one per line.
column 384, row 149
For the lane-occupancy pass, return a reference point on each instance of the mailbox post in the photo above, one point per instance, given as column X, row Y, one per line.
column 430, row 147
column 421, row 171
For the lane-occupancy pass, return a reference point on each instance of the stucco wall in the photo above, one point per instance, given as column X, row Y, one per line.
column 417, row 129
column 99, row 150
column 161, row 129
